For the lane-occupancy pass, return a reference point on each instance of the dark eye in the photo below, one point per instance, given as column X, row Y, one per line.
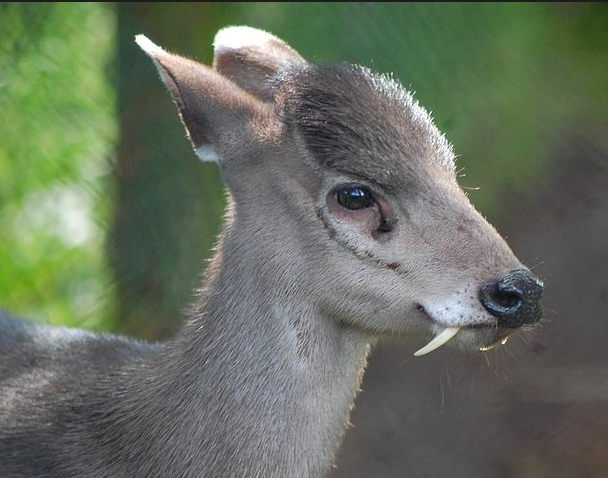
column 354, row 197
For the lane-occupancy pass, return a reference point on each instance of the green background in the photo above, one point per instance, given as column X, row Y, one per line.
column 105, row 211
column 107, row 217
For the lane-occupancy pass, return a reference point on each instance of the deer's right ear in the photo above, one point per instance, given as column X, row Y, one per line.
column 216, row 112
column 252, row 58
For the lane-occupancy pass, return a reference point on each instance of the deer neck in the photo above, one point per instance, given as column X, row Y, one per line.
column 260, row 374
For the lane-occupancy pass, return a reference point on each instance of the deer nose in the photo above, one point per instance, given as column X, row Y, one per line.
column 514, row 299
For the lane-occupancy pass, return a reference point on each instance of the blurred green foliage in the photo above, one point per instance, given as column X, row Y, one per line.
column 510, row 83
column 58, row 131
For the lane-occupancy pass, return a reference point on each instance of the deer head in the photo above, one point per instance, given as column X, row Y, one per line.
column 345, row 224
column 342, row 178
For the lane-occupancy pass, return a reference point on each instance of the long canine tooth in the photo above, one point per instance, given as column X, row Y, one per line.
column 441, row 338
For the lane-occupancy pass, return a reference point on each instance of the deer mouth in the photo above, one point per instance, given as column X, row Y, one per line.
column 479, row 337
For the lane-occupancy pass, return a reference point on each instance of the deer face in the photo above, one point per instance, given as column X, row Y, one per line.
column 427, row 260
column 349, row 176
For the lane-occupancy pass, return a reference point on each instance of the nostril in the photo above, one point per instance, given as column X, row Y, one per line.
column 499, row 301
column 514, row 299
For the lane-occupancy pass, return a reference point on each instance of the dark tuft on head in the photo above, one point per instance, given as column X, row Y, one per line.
column 362, row 123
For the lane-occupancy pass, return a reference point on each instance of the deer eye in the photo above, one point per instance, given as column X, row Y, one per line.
column 354, row 197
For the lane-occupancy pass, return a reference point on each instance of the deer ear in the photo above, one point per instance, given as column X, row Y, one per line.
column 252, row 58
column 216, row 112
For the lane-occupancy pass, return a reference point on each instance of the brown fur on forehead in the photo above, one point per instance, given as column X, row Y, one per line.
column 363, row 124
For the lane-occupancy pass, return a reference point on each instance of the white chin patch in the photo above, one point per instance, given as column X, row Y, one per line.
column 441, row 338
column 461, row 309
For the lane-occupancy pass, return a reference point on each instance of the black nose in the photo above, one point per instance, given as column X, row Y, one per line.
column 514, row 299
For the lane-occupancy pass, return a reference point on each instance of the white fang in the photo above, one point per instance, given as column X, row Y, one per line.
column 441, row 338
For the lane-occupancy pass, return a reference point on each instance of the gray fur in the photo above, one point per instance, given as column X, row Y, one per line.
column 260, row 380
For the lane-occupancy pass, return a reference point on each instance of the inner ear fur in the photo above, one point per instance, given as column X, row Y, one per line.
column 252, row 59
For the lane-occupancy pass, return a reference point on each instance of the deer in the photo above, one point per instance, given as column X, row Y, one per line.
column 344, row 225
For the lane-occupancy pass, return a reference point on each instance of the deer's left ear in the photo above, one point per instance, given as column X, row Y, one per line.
column 219, row 116
column 252, row 58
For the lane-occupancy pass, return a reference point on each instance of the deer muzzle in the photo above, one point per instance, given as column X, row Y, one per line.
column 514, row 299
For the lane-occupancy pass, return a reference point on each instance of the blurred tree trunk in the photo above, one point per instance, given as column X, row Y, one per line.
column 165, row 197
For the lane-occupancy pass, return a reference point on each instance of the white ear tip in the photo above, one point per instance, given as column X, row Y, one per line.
column 234, row 38
column 148, row 46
